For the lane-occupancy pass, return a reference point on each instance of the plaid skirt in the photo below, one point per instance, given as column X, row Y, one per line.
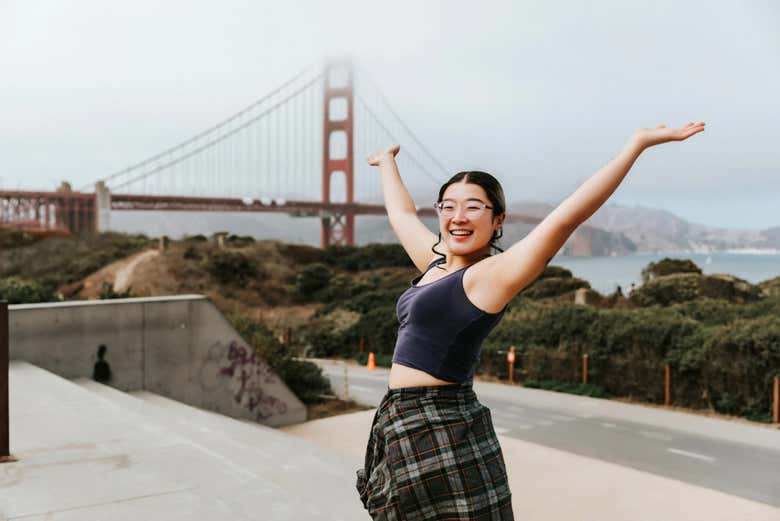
column 433, row 454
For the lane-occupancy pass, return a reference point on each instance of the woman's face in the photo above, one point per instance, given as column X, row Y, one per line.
column 463, row 211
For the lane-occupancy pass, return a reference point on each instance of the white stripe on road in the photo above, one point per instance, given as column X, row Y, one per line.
column 691, row 455
column 656, row 435
column 360, row 388
column 500, row 430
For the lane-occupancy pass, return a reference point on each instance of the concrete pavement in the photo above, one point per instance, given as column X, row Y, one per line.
column 553, row 485
column 90, row 452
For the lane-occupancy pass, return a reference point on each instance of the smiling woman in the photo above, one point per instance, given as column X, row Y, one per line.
column 433, row 452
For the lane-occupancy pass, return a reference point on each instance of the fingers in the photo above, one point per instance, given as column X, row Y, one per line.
column 374, row 159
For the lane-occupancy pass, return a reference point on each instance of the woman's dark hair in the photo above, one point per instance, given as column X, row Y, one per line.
column 494, row 193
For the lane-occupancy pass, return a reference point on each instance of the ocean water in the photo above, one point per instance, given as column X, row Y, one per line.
column 605, row 273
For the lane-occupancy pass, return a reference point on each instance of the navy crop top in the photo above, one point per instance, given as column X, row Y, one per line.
column 441, row 331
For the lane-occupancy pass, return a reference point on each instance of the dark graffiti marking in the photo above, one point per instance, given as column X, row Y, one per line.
column 248, row 373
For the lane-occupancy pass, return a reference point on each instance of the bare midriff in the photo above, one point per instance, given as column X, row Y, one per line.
column 402, row 376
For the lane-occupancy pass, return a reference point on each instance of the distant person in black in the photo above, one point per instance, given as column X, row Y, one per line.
column 102, row 371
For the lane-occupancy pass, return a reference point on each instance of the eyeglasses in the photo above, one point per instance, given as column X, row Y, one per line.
column 473, row 209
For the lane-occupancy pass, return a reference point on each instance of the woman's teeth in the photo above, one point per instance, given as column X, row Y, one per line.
column 461, row 233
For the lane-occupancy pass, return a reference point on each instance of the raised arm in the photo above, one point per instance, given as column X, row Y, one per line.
column 518, row 266
column 413, row 235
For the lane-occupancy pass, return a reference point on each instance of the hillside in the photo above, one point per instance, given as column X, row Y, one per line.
column 341, row 302
column 654, row 231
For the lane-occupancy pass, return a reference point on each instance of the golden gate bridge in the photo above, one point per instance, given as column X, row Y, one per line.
column 292, row 151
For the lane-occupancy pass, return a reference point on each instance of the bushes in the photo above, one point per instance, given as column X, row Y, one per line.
column 304, row 379
column 681, row 287
column 723, row 355
column 57, row 261
column 22, row 291
column 730, row 367
column 553, row 287
column 231, row 267
column 378, row 327
column 15, row 239
column 312, row 278
column 667, row 266
column 369, row 257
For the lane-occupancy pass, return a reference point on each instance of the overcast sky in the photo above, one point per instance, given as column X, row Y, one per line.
column 541, row 94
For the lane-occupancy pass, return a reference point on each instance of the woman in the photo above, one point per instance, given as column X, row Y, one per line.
column 432, row 452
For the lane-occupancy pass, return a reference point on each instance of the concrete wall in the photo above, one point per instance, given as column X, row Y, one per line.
column 180, row 347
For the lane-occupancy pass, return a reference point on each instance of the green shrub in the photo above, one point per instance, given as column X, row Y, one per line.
column 368, row 257
column 682, row 287
column 342, row 288
column 21, row 291
column 15, row 239
column 667, row 266
column 300, row 253
column 312, row 278
column 553, row 287
column 667, row 290
column 305, row 379
column 57, row 261
column 231, row 267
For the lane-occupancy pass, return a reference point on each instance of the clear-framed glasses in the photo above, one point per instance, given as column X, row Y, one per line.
column 473, row 209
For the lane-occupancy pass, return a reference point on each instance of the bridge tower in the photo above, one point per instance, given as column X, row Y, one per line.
column 338, row 227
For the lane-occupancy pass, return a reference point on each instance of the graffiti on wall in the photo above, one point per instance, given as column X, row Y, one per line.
column 248, row 375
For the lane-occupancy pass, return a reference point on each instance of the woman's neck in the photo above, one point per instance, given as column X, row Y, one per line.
column 457, row 262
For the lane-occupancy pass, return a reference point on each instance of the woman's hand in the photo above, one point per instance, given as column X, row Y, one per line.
column 647, row 137
column 378, row 157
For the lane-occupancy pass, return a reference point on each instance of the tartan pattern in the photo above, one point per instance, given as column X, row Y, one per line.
column 433, row 454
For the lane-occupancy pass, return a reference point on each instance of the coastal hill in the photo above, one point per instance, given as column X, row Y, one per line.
column 655, row 231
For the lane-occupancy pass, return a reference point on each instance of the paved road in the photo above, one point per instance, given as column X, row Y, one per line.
column 728, row 456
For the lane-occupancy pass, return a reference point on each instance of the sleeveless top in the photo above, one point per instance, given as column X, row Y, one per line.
column 441, row 330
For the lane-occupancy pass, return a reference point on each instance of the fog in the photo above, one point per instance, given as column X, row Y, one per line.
column 539, row 94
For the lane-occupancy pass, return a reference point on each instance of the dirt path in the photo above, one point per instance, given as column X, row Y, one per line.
column 124, row 275
column 119, row 274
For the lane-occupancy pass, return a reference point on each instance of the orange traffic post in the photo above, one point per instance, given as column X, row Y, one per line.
column 371, row 365
column 510, row 358
column 585, row 368
column 668, row 386
column 776, row 405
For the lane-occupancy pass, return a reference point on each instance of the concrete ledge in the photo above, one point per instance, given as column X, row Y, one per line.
column 180, row 346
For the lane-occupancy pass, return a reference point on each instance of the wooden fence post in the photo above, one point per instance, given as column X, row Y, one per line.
column 585, row 368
